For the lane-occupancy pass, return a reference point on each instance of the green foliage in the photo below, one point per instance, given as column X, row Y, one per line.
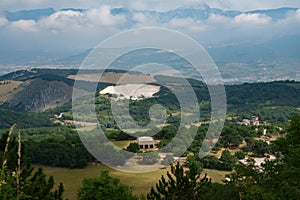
column 232, row 140
column 227, row 161
column 274, row 93
column 239, row 155
column 24, row 119
column 217, row 191
column 121, row 135
column 60, row 147
column 179, row 185
column 258, row 147
column 24, row 183
column 133, row 147
column 22, row 75
column 210, row 162
column 278, row 179
column 193, row 163
column 104, row 187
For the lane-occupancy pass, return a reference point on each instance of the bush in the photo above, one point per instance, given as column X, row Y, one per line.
column 239, row 155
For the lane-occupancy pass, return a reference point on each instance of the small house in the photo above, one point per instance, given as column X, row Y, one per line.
column 146, row 142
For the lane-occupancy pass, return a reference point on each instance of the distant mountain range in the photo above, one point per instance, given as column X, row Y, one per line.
column 198, row 11
column 275, row 59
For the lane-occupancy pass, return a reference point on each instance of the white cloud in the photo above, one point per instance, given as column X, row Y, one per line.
column 181, row 22
column 25, row 25
column 252, row 4
column 3, row 21
column 298, row 13
column 293, row 15
column 103, row 17
column 214, row 18
column 290, row 24
column 95, row 24
column 140, row 17
column 188, row 24
column 250, row 19
column 69, row 20
column 62, row 20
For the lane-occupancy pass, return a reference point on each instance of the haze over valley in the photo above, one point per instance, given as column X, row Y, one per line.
column 247, row 46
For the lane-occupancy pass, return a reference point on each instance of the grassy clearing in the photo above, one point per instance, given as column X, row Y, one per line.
column 124, row 143
column 141, row 182
column 72, row 178
column 112, row 77
column 216, row 175
column 8, row 89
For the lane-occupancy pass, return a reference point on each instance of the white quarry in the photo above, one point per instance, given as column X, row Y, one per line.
column 132, row 91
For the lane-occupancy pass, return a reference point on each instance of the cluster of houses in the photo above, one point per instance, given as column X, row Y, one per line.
column 254, row 121
column 258, row 161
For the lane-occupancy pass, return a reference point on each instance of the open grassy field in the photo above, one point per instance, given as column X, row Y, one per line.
column 72, row 178
column 112, row 77
column 6, row 90
column 141, row 182
column 216, row 175
column 124, row 143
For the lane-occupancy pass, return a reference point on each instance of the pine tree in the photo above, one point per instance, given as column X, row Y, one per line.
column 180, row 185
column 16, row 174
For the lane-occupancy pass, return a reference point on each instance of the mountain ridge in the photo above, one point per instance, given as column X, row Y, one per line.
column 54, row 89
column 196, row 11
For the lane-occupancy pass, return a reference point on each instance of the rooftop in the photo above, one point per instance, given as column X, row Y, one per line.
column 145, row 139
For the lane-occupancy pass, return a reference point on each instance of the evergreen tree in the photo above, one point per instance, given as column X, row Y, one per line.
column 227, row 161
column 16, row 175
column 179, row 185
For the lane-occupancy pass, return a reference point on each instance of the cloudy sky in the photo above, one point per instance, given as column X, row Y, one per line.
column 160, row 5
column 76, row 31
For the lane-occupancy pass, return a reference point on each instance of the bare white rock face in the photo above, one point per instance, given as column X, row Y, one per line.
column 132, row 91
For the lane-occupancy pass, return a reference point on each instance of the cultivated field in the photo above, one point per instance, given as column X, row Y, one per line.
column 111, row 77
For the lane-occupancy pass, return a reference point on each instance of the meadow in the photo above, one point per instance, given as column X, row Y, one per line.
column 140, row 182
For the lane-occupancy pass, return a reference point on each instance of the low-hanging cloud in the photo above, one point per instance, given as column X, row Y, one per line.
column 62, row 20
column 3, row 21
column 189, row 24
column 73, row 20
column 25, row 25
column 103, row 17
column 95, row 24
column 250, row 19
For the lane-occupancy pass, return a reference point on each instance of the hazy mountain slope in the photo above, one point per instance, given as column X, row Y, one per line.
column 41, row 89
column 39, row 95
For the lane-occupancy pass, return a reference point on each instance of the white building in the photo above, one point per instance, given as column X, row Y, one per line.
column 258, row 161
column 146, row 142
